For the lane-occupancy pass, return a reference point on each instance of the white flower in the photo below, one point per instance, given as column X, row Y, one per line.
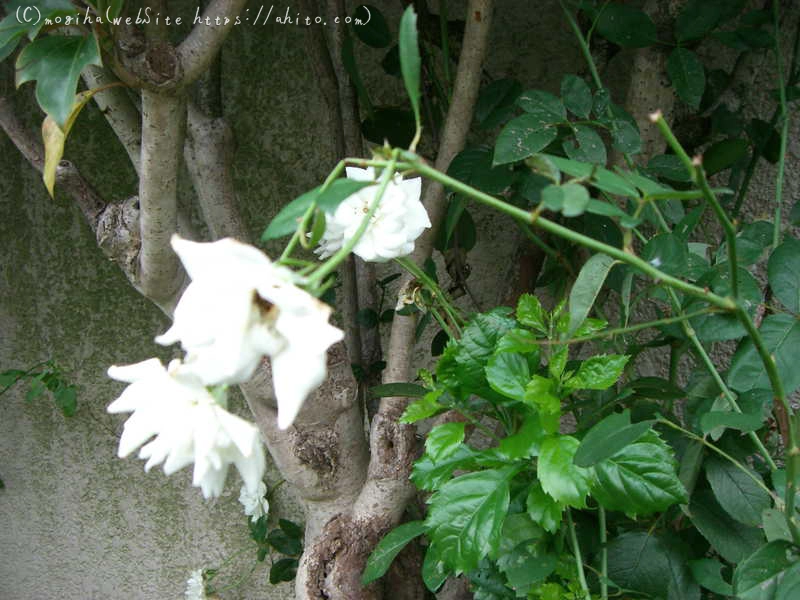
column 396, row 224
column 188, row 424
column 255, row 502
column 240, row 307
column 195, row 587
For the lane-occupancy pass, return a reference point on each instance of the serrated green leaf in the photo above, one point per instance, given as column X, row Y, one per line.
column 576, row 198
column 508, row 374
column 55, row 63
column 737, row 493
column 522, row 137
column 639, row 479
column 525, row 442
column 285, row 543
column 444, row 440
column 781, row 335
column 518, row 340
column 465, row 517
column 598, row 372
column 699, row 17
column 496, row 102
column 388, row 548
column 784, row 274
column 559, row 476
column 410, row 59
column 530, row 312
column 587, row 286
column 425, row 407
column 539, row 394
column 731, row 539
column 577, row 96
column 543, row 509
column 429, row 475
column 287, row 220
column 757, row 577
column 687, row 75
column 608, row 437
column 473, row 166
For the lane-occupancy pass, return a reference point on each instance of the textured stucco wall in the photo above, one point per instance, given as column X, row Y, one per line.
column 75, row 522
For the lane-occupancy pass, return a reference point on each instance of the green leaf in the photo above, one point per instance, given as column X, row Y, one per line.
column 576, row 198
column 287, row 220
column 390, row 546
column 473, row 166
column 423, row 408
column 706, row 571
column 558, row 359
column 444, row 440
column 409, row 58
column 601, row 178
column 751, row 242
column 508, row 374
column 625, row 136
column 36, row 388
column 465, row 516
column 284, row 569
column 737, row 493
column 757, row 578
column 434, row 571
column 640, row 479
column 399, row 390
column 789, row 586
column 733, row 540
column 687, row 75
column 55, row 63
column 598, row 372
column 586, row 288
column 543, row 509
column 560, row 477
column 577, row 96
column 496, row 102
column 744, row 422
column 784, row 274
column 389, row 123
column 667, row 252
column 608, row 437
column 372, row 30
column 518, row 340
column 66, row 399
column 650, row 565
column 539, row 394
column 291, row 528
column 284, row 543
column 524, row 568
column 587, row 147
column 781, row 335
column 522, row 137
column 724, row 154
column 699, row 17
column 429, row 475
column 530, row 313
column 670, row 167
column 626, row 26
column 543, row 108
column 525, row 442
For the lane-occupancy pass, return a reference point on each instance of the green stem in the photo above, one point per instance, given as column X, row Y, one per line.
column 584, row 46
column 601, row 512
column 330, row 265
column 437, row 292
column 576, row 549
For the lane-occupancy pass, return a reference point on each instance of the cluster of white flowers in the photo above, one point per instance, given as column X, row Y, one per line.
column 397, row 223
column 255, row 504
column 238, row 308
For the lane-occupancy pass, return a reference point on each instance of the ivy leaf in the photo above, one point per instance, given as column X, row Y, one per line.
column 781, row 335
column 687, row 75
column 758, row 576
column 577, row 96
column 737, row 493
column 410, row 59
column 598, row 372
column 560, row 478
column 508, row 374
column 626, row 26
column 543, row 509
column 608, row 437
column 466, row 516
column 55, row 63
column 586, row 288
column 287, row 220
column 521, row 138
column 444, row 440
column 784, row 274
column 388, row 548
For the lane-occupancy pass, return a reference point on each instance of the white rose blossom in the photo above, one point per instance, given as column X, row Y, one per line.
column 186, row 425
column 255, row 502
column 397, row 223
column 195, row 586
column 239, row 307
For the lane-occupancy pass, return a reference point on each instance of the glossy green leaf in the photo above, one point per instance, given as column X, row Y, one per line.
column 559, row 476
column 608, row 437
column 598, row 372
column 410, row 59
column 55, row 63
column 543, row 108
column 784, row 274
column 388, row 548
column 577, row 96
column 434, row 571
column 531, row 314
column 758, row 576
column 751, row 242
column 522, row 137
column 737, row 493
column 543, row 509
column 732, row 540
column 518, row 340
column 429, row 475
column 639, row 479
column 524, row 568
column 625, row 25
column 465, row 517
column 781, row 335
column 667, row 252
column 600, row 178
column 425, row 407
column 687, row 75
column 372, row 30
column 508, row 374
column 706, row 571
column 586, row 145
column 539, row 394
column 287, row 220
column 444, row 440
column 587, row 286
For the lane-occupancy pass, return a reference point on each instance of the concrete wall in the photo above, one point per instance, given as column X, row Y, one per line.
column 76, row 522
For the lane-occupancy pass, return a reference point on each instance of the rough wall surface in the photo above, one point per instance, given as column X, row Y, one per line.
column 76, row 522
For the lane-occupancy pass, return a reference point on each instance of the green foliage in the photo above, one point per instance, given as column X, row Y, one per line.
column 389, row 547
column 41, row 378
